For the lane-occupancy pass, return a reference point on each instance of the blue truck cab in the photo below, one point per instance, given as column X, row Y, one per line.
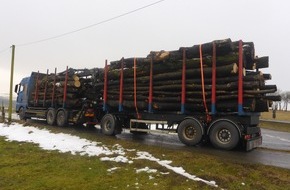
column 21, row 90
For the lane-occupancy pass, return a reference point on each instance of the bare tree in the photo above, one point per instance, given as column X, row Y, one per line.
column 277, row 105
column 285, row 97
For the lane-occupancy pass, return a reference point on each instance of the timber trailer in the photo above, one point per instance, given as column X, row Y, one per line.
column 224, row 129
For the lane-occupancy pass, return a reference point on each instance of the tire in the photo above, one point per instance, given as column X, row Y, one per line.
column 61, row 118
column 51, row 116
column 109, row 125
column 21, row 114
column 190, row 132
column 224, row 135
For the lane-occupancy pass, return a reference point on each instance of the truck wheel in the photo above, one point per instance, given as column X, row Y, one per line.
column 109, row 124
column 190, row 132
column 61, row 118
column 224, row 135
column 22, row 114
column 51, row 116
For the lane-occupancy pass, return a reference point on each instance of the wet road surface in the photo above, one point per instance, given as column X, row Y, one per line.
column 273, row 141
column 276, row 140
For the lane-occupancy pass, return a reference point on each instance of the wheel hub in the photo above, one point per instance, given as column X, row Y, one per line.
column 108, row 125
column 224, row 135
column 190, row 132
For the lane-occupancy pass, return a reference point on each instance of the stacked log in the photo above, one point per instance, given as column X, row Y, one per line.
column 167, row 79
column 49, row 89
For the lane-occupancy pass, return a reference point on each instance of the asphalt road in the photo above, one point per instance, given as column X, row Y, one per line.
column 272, row 152
column 276, row 140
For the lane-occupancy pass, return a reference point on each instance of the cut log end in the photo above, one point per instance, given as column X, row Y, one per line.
column 77, row 84
column 235, row 68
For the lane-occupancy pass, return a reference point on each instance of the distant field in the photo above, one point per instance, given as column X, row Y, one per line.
column 280, row 115
column 4, row 100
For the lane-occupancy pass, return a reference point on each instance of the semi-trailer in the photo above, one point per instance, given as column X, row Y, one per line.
column 210, row 92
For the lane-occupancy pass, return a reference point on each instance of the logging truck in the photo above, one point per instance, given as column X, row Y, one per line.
column 213, row 92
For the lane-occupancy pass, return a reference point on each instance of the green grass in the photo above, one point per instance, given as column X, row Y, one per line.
column 280, row 115
column 275, row 126
column 26, row 166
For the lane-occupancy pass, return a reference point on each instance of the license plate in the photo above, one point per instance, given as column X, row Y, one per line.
column 251, row 144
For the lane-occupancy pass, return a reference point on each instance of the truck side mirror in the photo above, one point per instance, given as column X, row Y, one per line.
column 16, row 88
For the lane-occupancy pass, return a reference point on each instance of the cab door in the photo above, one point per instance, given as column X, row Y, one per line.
column 22, row 95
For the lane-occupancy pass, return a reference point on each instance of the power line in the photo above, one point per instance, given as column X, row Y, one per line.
column 89, row 26
column 4, row 50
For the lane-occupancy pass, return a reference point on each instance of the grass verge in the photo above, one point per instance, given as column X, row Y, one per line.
column 284, row 127
column 280, row 115
column 26, row 166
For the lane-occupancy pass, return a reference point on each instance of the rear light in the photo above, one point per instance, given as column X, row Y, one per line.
column 247, row 137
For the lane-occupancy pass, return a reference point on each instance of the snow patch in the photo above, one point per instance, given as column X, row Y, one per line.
column 147, row 170
column 151, row 177
column 178, row 170
column 113, row 169
column 119, row 158
column 75, row 145
column 131, row 150
column 51, row 141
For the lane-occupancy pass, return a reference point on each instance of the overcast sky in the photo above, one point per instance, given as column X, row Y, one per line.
column 167, row 25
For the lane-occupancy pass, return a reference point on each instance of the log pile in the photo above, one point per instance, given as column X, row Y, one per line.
column 49, row 88
column 167, row 79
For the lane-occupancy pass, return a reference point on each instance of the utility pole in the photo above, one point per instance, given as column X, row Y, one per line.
column 3, row 112
column 11, row 84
